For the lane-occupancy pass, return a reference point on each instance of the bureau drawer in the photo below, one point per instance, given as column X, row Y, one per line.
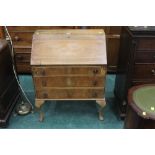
column 145, row 57
column 23, row 68
column 22, row 50
column 69, row 70
column 69, row 81
column 78, row 93
column 146, row 44
column 22, row 58
column 22, row 38
column 144, row 71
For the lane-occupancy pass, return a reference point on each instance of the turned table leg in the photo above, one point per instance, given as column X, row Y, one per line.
column 38, row 105
column 102, row 104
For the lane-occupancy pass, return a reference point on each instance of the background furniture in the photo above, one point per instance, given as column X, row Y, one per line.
column 69, row 65
column 22, row 41
column 136, row 64
column 141, row 107
column 113, row 44
column 1, row 32
column 9, row 92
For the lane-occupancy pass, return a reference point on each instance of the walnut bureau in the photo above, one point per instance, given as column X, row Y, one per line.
column 22, row 43
column 69, row 65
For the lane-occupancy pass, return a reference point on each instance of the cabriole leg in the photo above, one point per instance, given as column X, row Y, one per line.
column 38, row 105
column 102, row 104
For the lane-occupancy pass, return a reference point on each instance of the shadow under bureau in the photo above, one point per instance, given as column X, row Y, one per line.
column 69, row 65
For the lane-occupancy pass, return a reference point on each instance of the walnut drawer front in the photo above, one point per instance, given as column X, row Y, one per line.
column 145, row 57
column 22, row 50
column 69, row 81
column 146, row 44
column 22, row 39
column 68, row 70
column 22, row 58
column 71, row 93
column 23, row 68
column 23, row 62
column 144, row 71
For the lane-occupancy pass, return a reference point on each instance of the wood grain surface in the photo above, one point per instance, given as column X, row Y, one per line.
column 69, row 47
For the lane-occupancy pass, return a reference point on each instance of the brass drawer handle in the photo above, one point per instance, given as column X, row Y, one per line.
column 94, row 94
column 39, row 73
column 16, row 38
column 153, row 72
column 95, row 71
column 19, row 57
column 36, row 72
column 95, row 83
column 44, row 95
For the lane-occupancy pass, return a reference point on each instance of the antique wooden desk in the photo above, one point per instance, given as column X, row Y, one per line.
column 22, row 43
column 69, row 65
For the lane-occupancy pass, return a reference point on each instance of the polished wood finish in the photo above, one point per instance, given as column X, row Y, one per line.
column 145, row 57
column 22, row 42
column 9, row 92
column 34, row 28
column 70, row 93
column 113, row 45
column 134, row 121
column 146, row 44
column 144, row 71
column 24, row 39
column 136, row 63
column 1, row 32
column 69, row 81
column 69, row 70
column 22, row 59
column 135, row 118
column 69, row 65
column 73, row 47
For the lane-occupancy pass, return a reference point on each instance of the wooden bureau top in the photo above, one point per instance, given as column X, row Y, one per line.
column 69, row 47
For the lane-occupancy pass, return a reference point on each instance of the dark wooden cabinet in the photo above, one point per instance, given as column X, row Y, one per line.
column 22, row 42
column 9, row 91
column 1, row 32
column 136, row 64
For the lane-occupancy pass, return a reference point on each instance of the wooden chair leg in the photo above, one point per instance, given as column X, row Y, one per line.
column 102, row 104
